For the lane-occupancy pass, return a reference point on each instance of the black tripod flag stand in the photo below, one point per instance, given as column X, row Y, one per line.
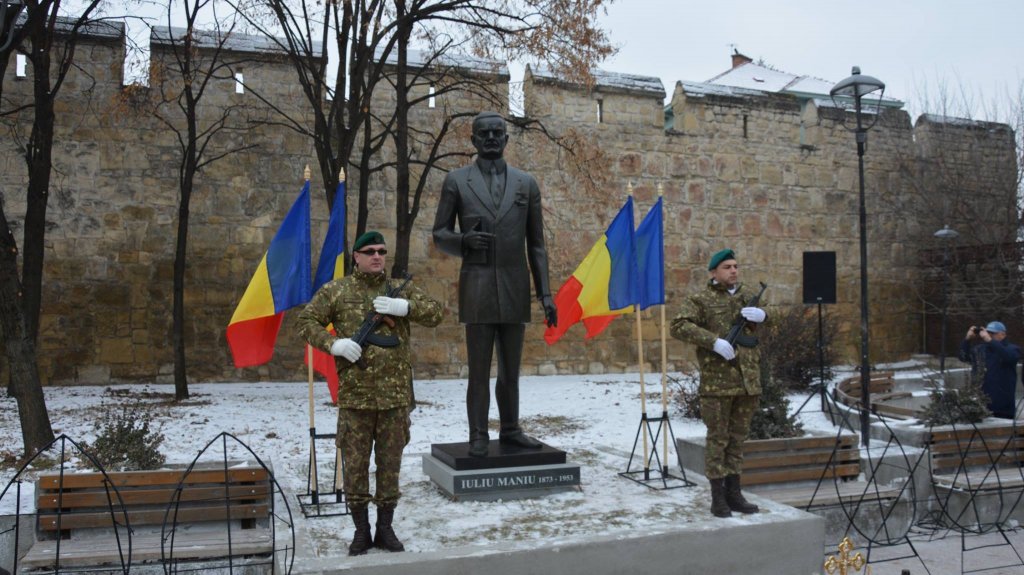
column 313, row 502
column 655, row 471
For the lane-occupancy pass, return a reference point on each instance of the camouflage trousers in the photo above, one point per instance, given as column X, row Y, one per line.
column 386, row 434
column 727, row 418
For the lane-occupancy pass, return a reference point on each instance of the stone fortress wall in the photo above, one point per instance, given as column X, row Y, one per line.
column 768, row 175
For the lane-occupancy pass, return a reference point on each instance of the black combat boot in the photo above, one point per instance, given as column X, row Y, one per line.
column 385, row 537
column 734, row 497
column 719, row 508
column 362, row 539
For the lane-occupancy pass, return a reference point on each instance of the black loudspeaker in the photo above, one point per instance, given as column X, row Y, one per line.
column 819, row 277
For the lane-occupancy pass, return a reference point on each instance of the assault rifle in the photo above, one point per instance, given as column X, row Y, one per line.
column 736, row 335
column 364, row 335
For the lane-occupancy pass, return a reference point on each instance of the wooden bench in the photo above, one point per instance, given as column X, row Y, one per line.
column 977, row 458
column 217, row 513
column 811, row 470
column 882, row 385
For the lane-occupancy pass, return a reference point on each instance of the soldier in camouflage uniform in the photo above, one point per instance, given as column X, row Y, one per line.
column 374, row 403
column 730, row 387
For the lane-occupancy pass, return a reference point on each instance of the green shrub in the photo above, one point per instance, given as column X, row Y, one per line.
column 968, row 404
column 124, row 440
column 772, row 419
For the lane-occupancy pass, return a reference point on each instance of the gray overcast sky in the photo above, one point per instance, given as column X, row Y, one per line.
column 914, row 46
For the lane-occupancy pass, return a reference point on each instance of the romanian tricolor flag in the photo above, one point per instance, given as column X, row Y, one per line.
column 331, row 267
column 650, row 255
column 604, row 285
column 281, row 282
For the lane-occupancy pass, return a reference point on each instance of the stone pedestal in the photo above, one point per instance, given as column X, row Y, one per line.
column 508, row 472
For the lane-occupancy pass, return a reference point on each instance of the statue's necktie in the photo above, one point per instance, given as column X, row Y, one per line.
column 496, row 191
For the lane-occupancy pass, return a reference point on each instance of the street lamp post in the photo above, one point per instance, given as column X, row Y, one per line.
column 9, row 11
column 947, row 235
column 856, row 87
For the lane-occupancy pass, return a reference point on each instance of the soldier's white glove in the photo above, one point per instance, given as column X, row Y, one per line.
column 395, row 306
column 724, row 349
column 753, row 314
column 347, row 349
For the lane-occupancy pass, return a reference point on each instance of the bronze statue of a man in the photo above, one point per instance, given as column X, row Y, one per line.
column 500, row 228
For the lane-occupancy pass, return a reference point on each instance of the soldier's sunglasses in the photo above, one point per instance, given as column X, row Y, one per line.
column 370, row 252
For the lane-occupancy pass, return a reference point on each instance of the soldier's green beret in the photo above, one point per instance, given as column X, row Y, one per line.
column 720, row 257
column 369, row 238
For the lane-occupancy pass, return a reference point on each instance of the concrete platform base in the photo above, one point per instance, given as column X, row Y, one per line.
column 792, row 545
column 610, row 525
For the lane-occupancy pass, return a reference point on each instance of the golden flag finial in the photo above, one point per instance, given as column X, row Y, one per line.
column 341, row 175
column 307, row 173
column 661, row 189
column 629, row 188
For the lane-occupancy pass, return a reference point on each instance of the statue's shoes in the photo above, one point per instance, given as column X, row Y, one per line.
column 478, row 447
column 520, row 439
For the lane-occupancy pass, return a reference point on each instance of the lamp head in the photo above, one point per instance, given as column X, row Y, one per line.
column 946, row 233
column 857, row 85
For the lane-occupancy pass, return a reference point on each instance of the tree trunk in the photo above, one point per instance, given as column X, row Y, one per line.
column 403, row 226
column 24, row 385
column 186, row 182
column 38, row 158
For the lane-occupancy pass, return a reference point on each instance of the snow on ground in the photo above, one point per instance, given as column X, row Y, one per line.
column 593, row 418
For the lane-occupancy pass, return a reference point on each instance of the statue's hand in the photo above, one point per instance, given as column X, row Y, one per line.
column 550, row 311
column 477, row 240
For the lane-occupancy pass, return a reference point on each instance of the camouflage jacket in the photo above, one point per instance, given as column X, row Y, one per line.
column 386, row 382
column 707, row 316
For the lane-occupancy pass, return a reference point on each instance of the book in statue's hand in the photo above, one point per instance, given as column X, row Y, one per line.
column 477, row 257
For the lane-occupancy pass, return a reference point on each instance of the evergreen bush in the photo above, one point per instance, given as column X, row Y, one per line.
column 125, row 440
column 968, row 404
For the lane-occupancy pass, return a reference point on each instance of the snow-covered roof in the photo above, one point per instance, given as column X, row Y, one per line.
column 756, row 77
column 701, row 89
column 93, row 28
column 233, row 41
column 421, row 58
column 610, row 80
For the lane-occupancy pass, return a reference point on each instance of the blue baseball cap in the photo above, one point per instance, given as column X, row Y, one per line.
column 995, row 327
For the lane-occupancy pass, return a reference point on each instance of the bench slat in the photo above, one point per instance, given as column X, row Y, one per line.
column 795, row 443
column 982, row 480
column 146, row 548
column 781, row 476
column 1007, row 445
column 799, row 458
column 132, row 497
column 966, row 433
column 161, row 477
column 829, row 493
column 48, row 521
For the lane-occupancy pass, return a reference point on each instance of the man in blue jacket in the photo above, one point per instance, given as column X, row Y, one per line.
column 993, row 365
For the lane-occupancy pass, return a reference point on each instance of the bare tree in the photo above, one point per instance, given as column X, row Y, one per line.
column 375, row 39
column 965, row 173
column 48, row 41
column 196, row 61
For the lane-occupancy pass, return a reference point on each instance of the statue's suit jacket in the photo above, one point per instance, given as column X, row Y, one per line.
column 497, row 291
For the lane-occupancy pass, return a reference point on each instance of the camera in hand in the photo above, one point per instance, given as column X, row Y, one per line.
column 976, row 330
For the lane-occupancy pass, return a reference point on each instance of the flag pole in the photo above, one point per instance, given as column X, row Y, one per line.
column 312, row 483
column 640, row 363
column 339, row 463
column 664, row 367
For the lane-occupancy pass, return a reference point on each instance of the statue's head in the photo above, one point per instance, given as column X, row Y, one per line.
column 489, row 135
